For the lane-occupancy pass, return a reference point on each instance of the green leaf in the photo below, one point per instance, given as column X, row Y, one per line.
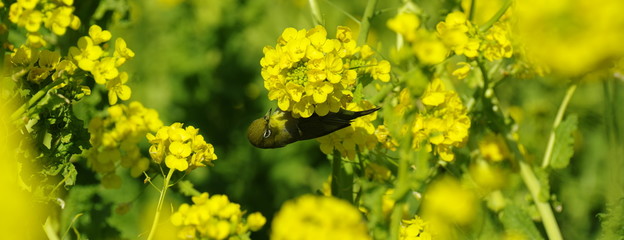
column 516, row 220
column 69, row 174
column 563, row 148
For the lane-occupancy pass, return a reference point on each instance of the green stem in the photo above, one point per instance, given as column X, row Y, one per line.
column 558, row 118
column 487, row 25
column 401, row 189
column 548, row 218
column 472, row 11
column 317, row 17
column 33, row 100
column 161, row 199
column 365, row 23
column 342, row 178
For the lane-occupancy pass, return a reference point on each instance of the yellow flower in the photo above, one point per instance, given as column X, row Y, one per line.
column 86, row 54
column 35, row 40
column 488, row 176
column 493, row 148
column 213, row 218
column 405, row 24
column 444, row 123
column 122, row 52
column 429, row 49
column 24, row 56
column 446, row 199
column 117, row 88
column 414, row 229
column 496, row 44
column 59, row 19
column 318, row 217
column 307, row 73
column 104, row 70
column 462, row 71
column 457, row 33
column 255, row 221
column 182, row 149
column 571, row 37
column 115, row 138
column 97, row 35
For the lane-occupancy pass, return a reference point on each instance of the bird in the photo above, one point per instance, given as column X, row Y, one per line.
column 279, row 128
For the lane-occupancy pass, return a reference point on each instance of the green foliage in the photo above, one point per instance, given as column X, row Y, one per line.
column 564, row 143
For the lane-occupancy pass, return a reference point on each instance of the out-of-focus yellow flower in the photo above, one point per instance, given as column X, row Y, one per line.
column 571, row 37
column 318, row 217
column 181, row 148
column 447, row 200
column 114, row 140
column 35, row 40
column 24, row 56
column 493, row 148
column 462, row 71
column 214, row 217
column 488, row 176
column 459, row 34
column 414, row 229
column 496, row 43
column 307, row 73
column 405, row 24
column 443, row 125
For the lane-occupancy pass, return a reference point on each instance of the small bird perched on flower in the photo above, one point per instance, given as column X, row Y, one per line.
column 279, row 128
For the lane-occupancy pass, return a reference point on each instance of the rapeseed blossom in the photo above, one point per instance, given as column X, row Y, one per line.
column 56, row 16
column 307, row 73
column 443, row 124
column 318, row 217
column 115, row 138
column 214, row 217
column 425, row 45
column 182, row 149
column 446, row 205
column 90, row 55
column 414, row 229
column 362, row 134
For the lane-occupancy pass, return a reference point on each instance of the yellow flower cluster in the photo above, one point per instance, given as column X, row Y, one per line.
column 56, row 16
column 444, row 123
column 182, row 149
column 361, row 134
column 464, row 39
column 216, row 218
column 308, row 73
column 90, row 56
column 425, row 44
column 318, row 217
column 37, row 65
column 414, row 229
column 115, row 138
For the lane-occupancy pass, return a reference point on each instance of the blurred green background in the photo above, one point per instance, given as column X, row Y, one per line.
column 197, row 62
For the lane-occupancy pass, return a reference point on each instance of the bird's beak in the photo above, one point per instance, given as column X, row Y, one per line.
column 268, row 114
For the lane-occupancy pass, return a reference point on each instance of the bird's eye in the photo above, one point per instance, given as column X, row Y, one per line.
column 267, row 133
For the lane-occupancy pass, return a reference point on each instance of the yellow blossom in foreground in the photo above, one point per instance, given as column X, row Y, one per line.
column 214, row 217
column 318, row 217
column 308, row 73
column 443, row 125
column 447, row 200
column 571, row 37
column 414, row 229
column 180, row 148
